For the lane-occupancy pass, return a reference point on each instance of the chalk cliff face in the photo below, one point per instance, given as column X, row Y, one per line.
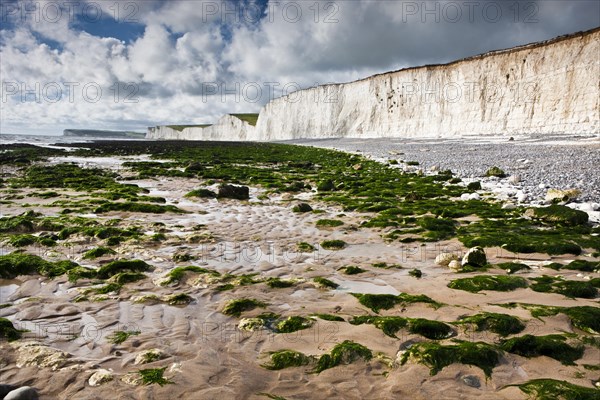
column 550, row 87
column 228, row 127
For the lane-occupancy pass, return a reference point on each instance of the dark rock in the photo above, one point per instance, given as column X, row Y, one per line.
column 302, row 208
column 234, row 192
column 326, row 186
column 475, row 256
column 5, row 389
column 472, row 381
column 22, row 393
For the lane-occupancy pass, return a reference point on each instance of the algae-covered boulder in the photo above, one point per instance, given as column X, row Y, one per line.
column 233, row 192
column 558, row 214
column 475, row 256
column 302, row 208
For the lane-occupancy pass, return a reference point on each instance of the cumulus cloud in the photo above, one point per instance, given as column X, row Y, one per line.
column 177, row 61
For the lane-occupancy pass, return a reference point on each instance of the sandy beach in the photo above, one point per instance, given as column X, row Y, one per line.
column 206, row 355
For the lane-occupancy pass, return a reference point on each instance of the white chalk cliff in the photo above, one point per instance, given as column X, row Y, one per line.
column 551, row 87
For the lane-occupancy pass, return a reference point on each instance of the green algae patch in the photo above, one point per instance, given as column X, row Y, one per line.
column 558, row 215
column 139, row 208
column 583, row 265
column 580, row 289
column 553, row 346
column 434, row 330
column 325, row 283
column 502, row 324
column 343, row 353
column 377, row 302
column 202, row 193
column 154, row 375
column 236, row 307
column 98, row 252
column 551, row 389
column 8, row 331
column 304, row 247
column 586, row 318
column 176, row 274
column 333, row 244
column 437, row 356
column 512, row 267
column 330, row 223
column 498, row 283
column 293, row 324
column 287, row 359
column 277, row 283
column 115, row 267
column 15, row 264
column 353, row 270
column 329, row 317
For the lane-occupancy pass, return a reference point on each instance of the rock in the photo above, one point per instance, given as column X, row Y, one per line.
column 233, row 192
column 474, row 185
column 470, row 196
column 99, row 377
column 557, row 214
column 455, row 265
column 443, row 259
column 22, row 393
column 558, row 195
column 132, row 378
column 149, row 356
column 434, row 168
column 302, row 208
column 514, row 179
column 5, row 389
column 475, row 256
column 509, row 206
column 511, row 139
column 472, row 381
column 495, row 171
column 357, row 167
column 521, row 196
column 326, row 186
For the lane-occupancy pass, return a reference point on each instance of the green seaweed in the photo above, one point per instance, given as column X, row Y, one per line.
column 329, row 223
column 581, row 289
column 333, row 244
column 553, row 346
column 287, row 359
column 502, row 324
column 353, row 270
column 119, row 337
column 236, row 307
column 277, row 283
column 488, row 282
column 97, row 252
column 437, row 356
column 343, row 353
column 8, row 331
column 325, row 283
column 154, row 375
column 115, row 267
column 378, row 302
column 550, row 389
column 329, row 317
column 293, row 324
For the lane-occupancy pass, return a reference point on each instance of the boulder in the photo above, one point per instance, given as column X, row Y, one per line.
column 475, row 256
column 251, row 324
column 558, row 195
column 22, row 393
column 472, row 381
column 39, row 355
column 495, row 171
column 557, row 214
column 455, row 265
column 443, row 259
column 6, row 389
column 233, row 192
column 302, row 208
column 149, row 356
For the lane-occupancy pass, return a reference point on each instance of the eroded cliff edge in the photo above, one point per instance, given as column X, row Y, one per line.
column 550, row 87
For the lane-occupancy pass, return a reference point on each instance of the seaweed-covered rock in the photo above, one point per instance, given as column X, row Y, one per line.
column 496, row 171
column 302, row 208
column 558, row 214
column 233, row 192
column 455, row 265
column 475, row 256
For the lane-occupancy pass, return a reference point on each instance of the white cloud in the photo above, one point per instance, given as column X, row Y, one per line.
column 188, row 46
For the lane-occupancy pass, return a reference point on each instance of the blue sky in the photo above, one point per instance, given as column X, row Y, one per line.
column 123, row 64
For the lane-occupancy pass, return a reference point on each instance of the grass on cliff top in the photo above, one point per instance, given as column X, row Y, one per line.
column 180, row 128
column 249, row 118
